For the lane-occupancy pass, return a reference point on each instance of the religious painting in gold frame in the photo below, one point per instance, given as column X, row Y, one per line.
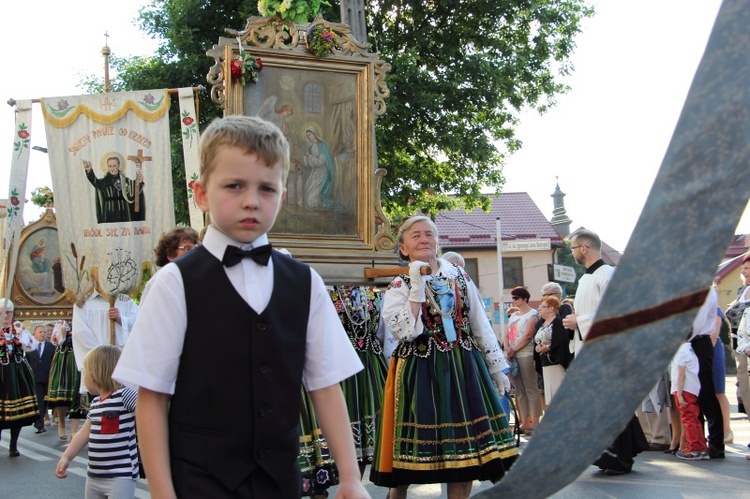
column 38, row 291
column 326, row 108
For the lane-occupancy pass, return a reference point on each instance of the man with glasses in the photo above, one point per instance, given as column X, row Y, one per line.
column 586, row 246
column 587, row 251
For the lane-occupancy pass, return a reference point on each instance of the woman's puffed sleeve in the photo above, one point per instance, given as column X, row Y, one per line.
column 397, row 312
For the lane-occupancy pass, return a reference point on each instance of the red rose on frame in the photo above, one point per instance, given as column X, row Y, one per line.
column 236, row 67
column 14, row 201
column 191, row 184
column 188, row 121
column 24, row 134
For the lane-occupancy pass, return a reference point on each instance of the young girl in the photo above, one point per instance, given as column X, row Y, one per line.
column 109, row 430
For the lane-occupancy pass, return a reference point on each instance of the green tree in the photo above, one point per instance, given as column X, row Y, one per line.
column 461, row 72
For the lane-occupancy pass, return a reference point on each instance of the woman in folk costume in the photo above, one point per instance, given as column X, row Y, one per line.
column 317, row 467
column 359, row 310
column 18, row 405
column 442, row 421
column 64, row 379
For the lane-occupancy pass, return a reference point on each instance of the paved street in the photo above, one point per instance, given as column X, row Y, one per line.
column 656, row 475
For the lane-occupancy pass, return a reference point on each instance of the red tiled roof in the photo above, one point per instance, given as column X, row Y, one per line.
column 740, row 245
column 728, row 266
column 519, row 217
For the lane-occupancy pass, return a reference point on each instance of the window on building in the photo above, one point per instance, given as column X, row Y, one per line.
column 512, row 272
column 472, row 268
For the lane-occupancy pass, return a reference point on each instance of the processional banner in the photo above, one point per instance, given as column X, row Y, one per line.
column 19, row 167
column 190, row 143
column 112, row 177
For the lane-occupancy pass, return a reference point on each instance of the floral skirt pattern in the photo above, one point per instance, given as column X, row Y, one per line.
column 64, row 380
column 18, row 405
column 315, row 461
column 441, row 422
column 363, row 393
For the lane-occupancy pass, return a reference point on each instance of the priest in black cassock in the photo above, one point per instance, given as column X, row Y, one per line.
column 115, row 194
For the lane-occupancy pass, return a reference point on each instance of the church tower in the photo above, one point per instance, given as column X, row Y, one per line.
column 560, row 220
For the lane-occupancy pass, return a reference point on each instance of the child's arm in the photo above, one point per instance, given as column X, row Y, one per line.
column 333, row 417
column 680, row 384
column 76, row 445
column 153, row 439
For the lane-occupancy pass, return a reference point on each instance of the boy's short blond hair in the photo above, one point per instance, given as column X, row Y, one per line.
column 249, row 133
column 100, row 363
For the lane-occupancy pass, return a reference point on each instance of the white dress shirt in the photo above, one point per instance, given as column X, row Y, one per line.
column 151, row 356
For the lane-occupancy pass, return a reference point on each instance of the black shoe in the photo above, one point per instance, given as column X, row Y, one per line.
column 715, row 454
column 658, row 447
column 40, row 430
column 672, row 451
column 14, row 453
column 612, row 472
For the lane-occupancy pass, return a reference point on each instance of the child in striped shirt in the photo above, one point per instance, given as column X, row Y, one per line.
column 109, row 430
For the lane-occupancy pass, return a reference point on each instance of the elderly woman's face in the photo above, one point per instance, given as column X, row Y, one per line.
column 547, row 311
column 419, row 242
column 745, row 273
column 185, row 246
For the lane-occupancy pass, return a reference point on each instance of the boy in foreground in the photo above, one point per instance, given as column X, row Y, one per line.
column 226, row 335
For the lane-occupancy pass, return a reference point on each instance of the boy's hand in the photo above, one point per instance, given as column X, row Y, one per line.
column 352, row 490
column 62, row 467
column 681, row 400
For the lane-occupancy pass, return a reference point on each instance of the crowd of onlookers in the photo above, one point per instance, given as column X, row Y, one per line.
column 690, row 392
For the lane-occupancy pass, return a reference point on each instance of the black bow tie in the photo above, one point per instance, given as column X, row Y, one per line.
column 234, row 255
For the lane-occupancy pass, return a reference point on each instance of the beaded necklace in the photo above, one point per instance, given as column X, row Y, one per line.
column 359, row 326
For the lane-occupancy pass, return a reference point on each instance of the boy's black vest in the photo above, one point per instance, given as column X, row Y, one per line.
column 236, row 404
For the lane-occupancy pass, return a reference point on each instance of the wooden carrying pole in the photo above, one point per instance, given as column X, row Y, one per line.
column 373, row 272
column 112, row 326
column 12, row 102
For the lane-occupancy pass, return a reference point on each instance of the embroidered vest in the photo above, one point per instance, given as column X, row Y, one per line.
column 236, row 404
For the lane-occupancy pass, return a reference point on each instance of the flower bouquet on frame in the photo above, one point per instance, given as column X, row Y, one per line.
column 42, row 197
column 320, row 40
column 247, row 68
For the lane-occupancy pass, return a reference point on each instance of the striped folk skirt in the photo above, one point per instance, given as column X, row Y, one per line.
column 363, row 393
column 441, row 422
column 315, row 461
column 18, row 405
column 64, row 379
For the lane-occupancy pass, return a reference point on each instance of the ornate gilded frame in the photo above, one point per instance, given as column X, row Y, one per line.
column 33, row 291
column 351, row 228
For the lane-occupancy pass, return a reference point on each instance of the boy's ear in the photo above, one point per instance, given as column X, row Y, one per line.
column 199, row 195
